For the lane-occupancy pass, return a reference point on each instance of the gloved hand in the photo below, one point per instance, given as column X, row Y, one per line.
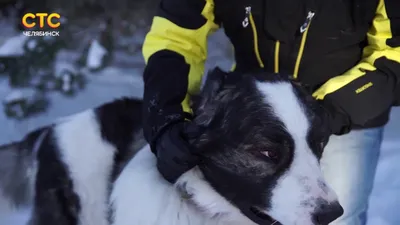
column 338, row 120
column 174, row 150
column 164, row 112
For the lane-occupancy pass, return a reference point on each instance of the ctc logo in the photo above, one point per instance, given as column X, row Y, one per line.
column 28, row 20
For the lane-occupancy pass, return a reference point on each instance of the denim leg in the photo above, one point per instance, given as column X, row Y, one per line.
column 349, row 164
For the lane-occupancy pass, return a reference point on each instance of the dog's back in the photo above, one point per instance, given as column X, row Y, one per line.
column 71, row 164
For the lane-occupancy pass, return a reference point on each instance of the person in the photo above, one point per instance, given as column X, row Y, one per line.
column 347, row 54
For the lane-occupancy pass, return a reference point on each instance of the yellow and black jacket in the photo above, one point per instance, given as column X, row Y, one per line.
column 347, row 52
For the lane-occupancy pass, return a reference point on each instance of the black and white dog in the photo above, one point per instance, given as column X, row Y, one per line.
column 259, row 163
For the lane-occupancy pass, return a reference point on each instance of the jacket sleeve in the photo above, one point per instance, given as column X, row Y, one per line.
column 175, row 51
column 371, row 88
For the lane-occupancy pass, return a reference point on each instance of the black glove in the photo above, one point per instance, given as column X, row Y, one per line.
column 339, row 122
column 166, row 84
column 174, row 150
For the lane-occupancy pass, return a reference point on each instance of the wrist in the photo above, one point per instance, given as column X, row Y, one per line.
column 339, row 121
column 169, row 121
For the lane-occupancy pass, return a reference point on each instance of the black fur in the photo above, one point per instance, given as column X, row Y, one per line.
column 318, row 135
column 231, row 156
column 17, row 158
column 55, row 200
column 121, row 125
column 230, row 148
column 12, row 178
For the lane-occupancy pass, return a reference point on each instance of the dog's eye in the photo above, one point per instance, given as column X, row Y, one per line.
column 270, row 154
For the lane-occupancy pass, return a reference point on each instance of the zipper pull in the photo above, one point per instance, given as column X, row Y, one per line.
column 307, row 22
column 245, row 22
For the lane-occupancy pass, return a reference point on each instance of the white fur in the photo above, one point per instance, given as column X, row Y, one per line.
column 142, row 196
column 90, row 161
column 303, row 182
column 10, row 215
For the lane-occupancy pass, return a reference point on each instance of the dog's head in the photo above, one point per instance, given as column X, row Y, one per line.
column 260, row 152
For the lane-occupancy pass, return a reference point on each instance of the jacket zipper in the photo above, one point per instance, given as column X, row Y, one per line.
column 249, row 19
column 233, row 67
column 276, row 57
column 304, row 30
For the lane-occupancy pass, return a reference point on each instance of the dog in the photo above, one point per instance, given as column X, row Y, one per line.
column 259, row 162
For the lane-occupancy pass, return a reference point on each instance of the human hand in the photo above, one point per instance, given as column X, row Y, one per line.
column 175, row 151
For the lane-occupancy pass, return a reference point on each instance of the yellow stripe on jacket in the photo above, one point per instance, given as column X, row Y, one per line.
column 377, row 35
column 190, row 43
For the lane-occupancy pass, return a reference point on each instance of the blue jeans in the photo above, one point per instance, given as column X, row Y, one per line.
column 349, row 164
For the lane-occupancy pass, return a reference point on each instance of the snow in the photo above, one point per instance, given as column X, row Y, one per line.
column 63, row 66
column 114, row 82
column 95, row 55
column 32, row 44
column 66, row 84
column 13, row 46
column 15, row 95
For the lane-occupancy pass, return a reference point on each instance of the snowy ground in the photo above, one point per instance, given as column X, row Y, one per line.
column 112, row 83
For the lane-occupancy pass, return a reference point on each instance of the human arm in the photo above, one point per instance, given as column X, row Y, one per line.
column 175, row 51
column 370, row 88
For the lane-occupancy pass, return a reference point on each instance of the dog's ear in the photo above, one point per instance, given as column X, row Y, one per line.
column 206, row 105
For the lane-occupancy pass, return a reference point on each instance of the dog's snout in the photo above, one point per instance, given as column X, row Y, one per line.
column 327, row 213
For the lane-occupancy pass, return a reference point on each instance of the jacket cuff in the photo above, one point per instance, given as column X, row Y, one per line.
column 169, row 120
column 339, row 121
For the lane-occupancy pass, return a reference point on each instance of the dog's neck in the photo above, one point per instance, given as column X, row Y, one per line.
column 155, row 201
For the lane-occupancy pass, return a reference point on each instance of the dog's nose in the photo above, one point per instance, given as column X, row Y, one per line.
column 327, row 213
